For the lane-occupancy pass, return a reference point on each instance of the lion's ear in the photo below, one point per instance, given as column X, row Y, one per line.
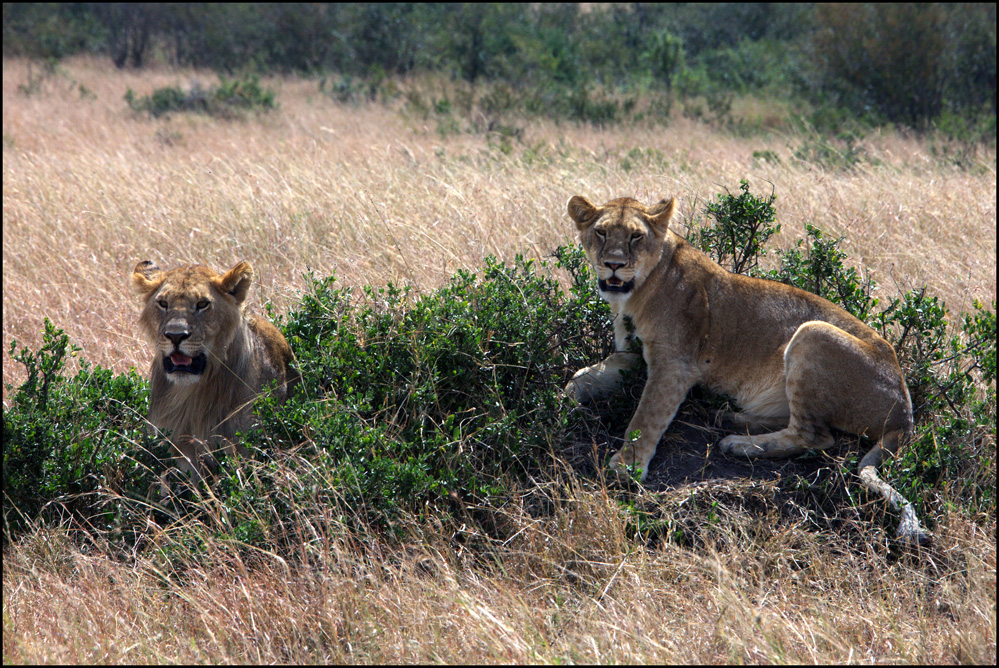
column 582, row 211
column 236, row 281
column 146, row 277
column 660, row 215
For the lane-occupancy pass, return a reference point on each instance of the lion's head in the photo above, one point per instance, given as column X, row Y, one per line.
column 623, row 240
column 191, row 314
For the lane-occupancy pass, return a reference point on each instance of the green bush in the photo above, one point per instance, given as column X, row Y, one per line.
column 230, row 99
column 743, row 225
column 457, row 392
column 818, row 265
column 65, row 439
column 244, row 93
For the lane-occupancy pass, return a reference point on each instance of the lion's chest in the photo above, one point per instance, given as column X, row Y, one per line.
column 708, row 350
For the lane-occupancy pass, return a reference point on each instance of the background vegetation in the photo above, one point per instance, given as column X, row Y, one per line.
column 429, row 496
column 915, row 64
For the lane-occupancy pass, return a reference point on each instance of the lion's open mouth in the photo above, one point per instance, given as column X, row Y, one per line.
column 615, row 284
column 178, row 362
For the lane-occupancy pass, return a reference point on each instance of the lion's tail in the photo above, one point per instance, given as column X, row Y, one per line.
column 909, row 529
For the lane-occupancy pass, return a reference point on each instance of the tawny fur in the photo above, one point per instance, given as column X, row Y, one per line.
column 785, row 356
column 204, row 313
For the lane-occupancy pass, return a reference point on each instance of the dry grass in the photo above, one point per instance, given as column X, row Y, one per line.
column 571, row 588
column 89, row 189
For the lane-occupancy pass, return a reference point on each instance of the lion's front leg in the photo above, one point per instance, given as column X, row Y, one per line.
column 664, row 391
column 187, row 458
column 601, row 379
column 604, row 378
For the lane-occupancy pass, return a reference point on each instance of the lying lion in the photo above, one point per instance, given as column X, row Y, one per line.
column 212, row 359
column 787, row 357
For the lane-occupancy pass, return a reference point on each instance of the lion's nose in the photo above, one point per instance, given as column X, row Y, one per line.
column 177, row 336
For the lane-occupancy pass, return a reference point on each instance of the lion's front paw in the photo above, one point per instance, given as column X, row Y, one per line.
column 626, row 463
column 586, row 385
column 574, row 390
column 736, row 446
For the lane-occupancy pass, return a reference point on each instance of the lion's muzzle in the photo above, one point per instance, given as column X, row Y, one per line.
column 178, row 362
column 615, row 284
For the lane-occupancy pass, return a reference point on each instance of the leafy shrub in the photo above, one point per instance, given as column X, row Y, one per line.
column 452, row 393
column 245, row 93
column 743, row 225
column 951, row 379
column 818, row 265
column 407, row 405
column 65, row 439
column 229, row 99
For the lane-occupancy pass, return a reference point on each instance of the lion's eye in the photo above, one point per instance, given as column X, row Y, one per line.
column 600, row 234
column 162, row 302
column 635, row 238
column 203, row 304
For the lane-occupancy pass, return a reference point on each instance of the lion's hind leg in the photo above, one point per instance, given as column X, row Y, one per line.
column 743, row 421
column 812, row 359
column 793, row 440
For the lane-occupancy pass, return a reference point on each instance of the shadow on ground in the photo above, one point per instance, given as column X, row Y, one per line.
column 688, row 451
column 690, row 480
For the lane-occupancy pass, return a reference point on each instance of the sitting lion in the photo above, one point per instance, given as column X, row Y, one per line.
column 212, row 359
column 787, row 357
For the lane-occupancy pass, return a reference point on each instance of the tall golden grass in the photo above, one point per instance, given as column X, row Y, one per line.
column 90, row 189
column 376, row 195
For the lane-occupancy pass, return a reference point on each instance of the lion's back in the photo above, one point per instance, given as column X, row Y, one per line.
column 277, row 357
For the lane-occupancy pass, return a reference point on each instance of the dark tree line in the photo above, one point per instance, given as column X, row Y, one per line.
column 905, row 63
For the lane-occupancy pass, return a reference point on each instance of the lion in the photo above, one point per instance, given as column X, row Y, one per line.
column 212, row 359
column 793, row 362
